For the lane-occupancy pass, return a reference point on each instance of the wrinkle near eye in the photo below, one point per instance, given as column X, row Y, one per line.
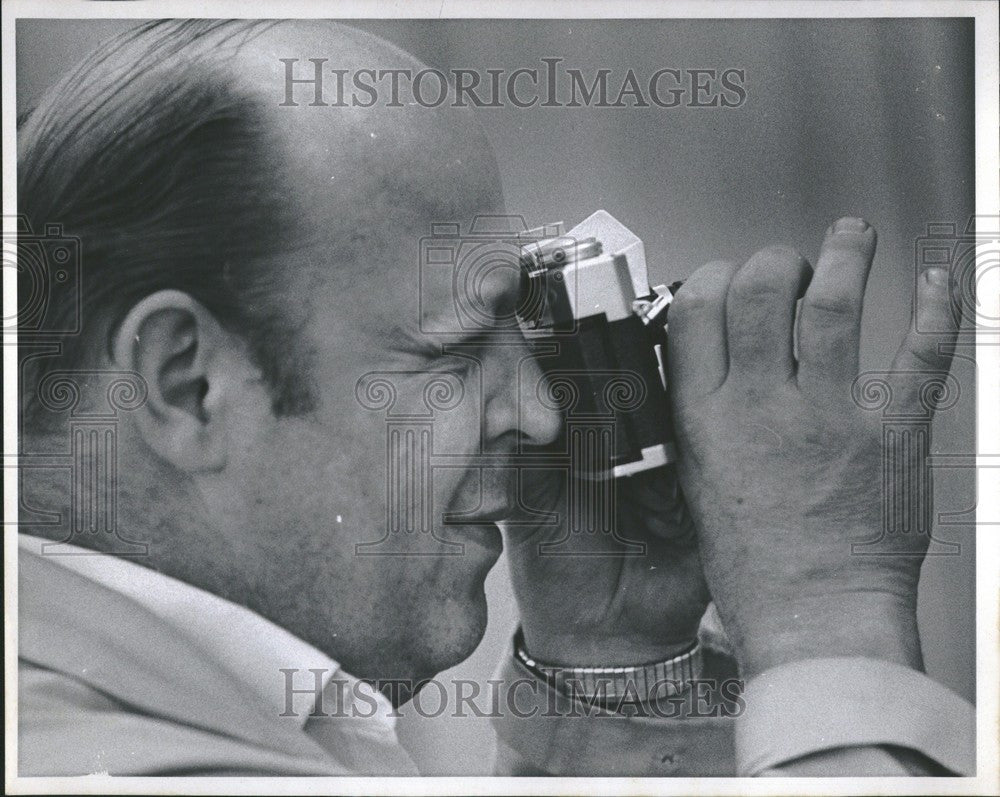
column 400, row 339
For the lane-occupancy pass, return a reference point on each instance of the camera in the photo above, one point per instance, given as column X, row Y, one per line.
column 585, row 300
column 587, row 292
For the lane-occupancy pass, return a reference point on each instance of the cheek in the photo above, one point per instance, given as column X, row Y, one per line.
column 456, row 412
column 457, row 441
column 347, row 459
column 316, row 481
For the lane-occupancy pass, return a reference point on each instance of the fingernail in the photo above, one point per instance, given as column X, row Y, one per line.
column 936, row 276
column 849, row 225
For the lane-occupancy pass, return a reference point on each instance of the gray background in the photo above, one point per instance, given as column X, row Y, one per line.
column 843, row 117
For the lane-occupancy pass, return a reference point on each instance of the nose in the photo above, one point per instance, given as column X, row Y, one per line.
column 514, row 405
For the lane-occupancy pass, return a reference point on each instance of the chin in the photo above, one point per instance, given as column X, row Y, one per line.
column 455, row 632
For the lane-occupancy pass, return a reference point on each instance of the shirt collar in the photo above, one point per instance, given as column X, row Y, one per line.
column 252, row 647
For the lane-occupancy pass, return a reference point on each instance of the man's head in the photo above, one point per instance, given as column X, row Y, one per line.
column 255, row 264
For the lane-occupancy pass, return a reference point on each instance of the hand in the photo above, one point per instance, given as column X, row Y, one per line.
column 582, row 609
column 781, row 469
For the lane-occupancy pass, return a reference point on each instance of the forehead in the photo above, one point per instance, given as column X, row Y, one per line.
column 371, row 186
column 376, row 227
column 437, row 294
column 439, row 288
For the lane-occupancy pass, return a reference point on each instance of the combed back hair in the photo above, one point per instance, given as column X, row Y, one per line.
column 165, row 169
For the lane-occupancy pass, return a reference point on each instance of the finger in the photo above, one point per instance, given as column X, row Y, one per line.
column 696, row 340
column 760, row 313
column 830, row 319
column 927, row 349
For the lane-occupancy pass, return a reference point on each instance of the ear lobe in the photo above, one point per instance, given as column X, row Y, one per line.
column 171, row 340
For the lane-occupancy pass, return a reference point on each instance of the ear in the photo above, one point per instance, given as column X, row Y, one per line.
column 191, row 367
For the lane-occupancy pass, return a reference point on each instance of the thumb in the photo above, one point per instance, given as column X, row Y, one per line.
column 928, row 347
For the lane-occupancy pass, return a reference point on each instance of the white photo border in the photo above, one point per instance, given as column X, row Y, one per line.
column 987, row 124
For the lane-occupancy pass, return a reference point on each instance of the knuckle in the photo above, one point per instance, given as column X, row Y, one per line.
column 770, row 273
column 830, row 307
column 691, row 300
column 755, row 288
column 706, row 288
column 719, row 266
column 776, row 256
column 926, row 354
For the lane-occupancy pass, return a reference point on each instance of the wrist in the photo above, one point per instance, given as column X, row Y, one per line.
column 584, row 650
column 614, row 685
column 867, row 625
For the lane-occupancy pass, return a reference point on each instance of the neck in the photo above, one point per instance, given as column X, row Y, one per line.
column 142, row 512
